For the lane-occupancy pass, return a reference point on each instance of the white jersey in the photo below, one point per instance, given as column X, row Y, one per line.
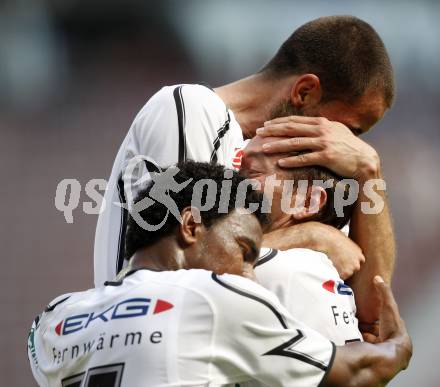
column 175, row 328
column 178, row 123
column 309, row 287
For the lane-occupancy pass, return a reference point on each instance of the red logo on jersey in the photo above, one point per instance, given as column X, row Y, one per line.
column 337, row 287
column 162, row 306
column 236, row 161
column 133, row 307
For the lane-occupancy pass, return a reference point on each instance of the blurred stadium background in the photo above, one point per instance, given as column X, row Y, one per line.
column 74, row 73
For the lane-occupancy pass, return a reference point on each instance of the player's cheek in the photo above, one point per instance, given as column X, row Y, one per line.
column 227, row 257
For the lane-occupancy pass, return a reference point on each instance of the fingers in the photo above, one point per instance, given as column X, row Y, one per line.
column 288, row 129
column 306, row 159
column 297, row 119
column 385, row 292
column 291, row 144
column 371, row 328
column 390, row 321
column 370, row 338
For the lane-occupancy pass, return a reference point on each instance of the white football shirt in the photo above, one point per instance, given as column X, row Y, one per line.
column 181, row 328
column 310, row 288
column 177, row 123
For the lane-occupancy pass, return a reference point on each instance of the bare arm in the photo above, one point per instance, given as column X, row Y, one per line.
column 332, row 145
column 374, row 235
column 346, row 255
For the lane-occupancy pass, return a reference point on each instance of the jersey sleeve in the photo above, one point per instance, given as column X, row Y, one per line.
column 258, row 337
column 33, row 353
column 178, row 123
column 35, row 347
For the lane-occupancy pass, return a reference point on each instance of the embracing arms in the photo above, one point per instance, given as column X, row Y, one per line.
column 333, row 145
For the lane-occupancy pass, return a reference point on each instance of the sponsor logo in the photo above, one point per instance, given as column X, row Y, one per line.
column 133, row 307
column 236, row 161
column 337, row 287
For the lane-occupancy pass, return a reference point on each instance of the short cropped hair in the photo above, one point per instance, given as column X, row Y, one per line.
column 137, row 237
column 328, row 214
column 346, row 54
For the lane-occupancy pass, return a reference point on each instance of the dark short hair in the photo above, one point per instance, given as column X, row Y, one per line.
column 327, row 214
column 137, row 237
column 346, row 54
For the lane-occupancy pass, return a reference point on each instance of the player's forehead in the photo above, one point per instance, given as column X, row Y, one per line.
column 360, row 115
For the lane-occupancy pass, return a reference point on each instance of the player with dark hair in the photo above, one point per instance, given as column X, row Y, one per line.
column 161, row 325
column 308, row 284
column 333, row 67
column 140, row 236
column 345, row 53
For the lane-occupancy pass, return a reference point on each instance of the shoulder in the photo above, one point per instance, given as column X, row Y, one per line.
column 190, row 105
column 291, row 267
column 186, row 94
column 239, row 299
column 298, row 259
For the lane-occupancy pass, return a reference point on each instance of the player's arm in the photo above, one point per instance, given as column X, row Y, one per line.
column 373, row 232
column 365, row 364
column 276, row 349
column 346, row 255
column 333, row 145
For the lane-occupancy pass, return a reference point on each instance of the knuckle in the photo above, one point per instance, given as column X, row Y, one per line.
column 325, row 142
column 301, row 158
column 295, row 141
column 291, row 126
column 326, row 156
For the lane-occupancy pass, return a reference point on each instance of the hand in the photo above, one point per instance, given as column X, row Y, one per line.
column 391, row 326
column 370, row 332
column 346, row 255
column 329, row 144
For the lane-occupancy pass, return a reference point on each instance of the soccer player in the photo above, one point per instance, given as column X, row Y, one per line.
column 306, row 281
column 335, row 67
column 163, row 325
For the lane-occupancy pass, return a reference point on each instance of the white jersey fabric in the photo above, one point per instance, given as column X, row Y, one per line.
column 310, row 288
column 178, row 123
column 181, row 328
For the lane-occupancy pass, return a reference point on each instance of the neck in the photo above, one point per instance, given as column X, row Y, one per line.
column 282, row 222
column 252, row 100
column 161, row 256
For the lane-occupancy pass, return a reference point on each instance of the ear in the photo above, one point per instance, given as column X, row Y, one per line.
column 316, row 199
column 189, row 229
column 306, row 91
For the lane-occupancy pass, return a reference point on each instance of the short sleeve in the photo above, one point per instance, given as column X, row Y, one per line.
column 257, row 338
column 178, row 123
